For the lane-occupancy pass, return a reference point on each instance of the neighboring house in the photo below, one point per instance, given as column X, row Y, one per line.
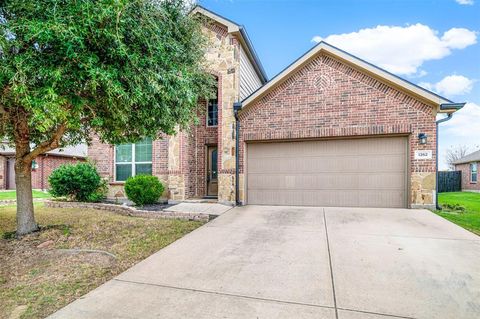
column 329, row 130
column 42, row 166
column 469, row 166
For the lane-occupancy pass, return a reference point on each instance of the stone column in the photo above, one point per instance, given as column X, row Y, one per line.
column 176, row 179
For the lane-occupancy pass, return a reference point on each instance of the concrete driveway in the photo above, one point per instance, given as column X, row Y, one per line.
column 297, row 262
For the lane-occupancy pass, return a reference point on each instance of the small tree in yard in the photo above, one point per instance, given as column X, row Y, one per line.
column 454, row 153
column 123, row 70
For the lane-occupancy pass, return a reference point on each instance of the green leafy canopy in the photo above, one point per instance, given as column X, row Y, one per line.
column 118, row 68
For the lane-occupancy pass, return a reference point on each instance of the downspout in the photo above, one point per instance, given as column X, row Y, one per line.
column 237, row 107
column 447, row 106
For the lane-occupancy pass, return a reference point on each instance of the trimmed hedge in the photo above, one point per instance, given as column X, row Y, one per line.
column 143, row 189
column 80, row 182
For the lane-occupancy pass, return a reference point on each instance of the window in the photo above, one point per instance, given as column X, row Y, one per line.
column 212, row 112
column 133, row 159
column 473, row 173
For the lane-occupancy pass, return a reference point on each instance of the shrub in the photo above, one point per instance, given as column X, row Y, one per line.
column 143, row 189
column 75, row 181
column 100, row 194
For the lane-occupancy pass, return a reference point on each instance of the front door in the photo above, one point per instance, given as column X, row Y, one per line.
column 212, row 171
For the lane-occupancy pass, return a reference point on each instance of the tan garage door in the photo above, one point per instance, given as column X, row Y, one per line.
column 369, row 172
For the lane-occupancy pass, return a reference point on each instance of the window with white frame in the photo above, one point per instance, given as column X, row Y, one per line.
column 133, row 159
column 473, row 173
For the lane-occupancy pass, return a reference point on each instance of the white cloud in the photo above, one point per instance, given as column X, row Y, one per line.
column 401, row 50
column 464, row 123
column 465, row 2
column 459, row 38
column 462, row 129
column 450, row 85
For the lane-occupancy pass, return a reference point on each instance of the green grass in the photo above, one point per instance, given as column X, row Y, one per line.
column 43, row 280
column 7, row 195
column 470, row 217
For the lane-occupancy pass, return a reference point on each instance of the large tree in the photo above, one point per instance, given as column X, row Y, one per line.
column 121, row 69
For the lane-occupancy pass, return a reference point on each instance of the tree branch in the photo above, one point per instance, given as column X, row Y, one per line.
column 49, row 145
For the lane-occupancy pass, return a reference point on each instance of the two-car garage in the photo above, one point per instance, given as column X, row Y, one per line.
column 333, row 130
column 360, row 172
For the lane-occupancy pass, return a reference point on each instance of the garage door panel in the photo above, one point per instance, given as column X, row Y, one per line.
column 394, row 198
column 357, row 172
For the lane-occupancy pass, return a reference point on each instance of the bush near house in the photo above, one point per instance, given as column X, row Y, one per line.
column 80, row 182
column 143, row 189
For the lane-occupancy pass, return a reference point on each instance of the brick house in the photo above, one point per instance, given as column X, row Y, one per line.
column 329, row 130
column 469, row 166
column 42, row 166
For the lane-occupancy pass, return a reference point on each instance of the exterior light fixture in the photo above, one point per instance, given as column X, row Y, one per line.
column 422, row 138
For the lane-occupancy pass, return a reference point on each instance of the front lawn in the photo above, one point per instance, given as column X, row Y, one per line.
column 37, row 280
column 7, row 195
column 470, row 217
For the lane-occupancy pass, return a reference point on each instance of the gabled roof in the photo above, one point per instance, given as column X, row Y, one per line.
column 238, row 30
column 442, row 104
column 472, row 157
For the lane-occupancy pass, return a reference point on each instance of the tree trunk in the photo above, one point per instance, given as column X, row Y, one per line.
column 23, row 178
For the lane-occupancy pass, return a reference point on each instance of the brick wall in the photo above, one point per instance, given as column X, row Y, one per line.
column 467, row 185
column 46, row 164
column 327, row 98
column 102, row 155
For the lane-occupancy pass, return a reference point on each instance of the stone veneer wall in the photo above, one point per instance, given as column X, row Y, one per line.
column 224, row 59
column 327, row 98
column 467, row 185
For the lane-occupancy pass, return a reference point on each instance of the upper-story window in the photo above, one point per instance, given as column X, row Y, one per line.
column 212, row 111
column 473, row 173
column 133, row 159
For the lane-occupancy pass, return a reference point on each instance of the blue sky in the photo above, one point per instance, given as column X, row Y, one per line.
column 432, row 43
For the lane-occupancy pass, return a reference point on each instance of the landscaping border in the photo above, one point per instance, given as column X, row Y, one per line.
column 129, row 211
column 4, row 202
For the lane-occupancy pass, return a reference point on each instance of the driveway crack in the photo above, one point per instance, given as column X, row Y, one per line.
column 330, row 264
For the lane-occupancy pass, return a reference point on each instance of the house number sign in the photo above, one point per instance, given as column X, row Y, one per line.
column 423, row 154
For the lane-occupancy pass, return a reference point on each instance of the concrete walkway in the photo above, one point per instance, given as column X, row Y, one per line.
column 214, row 209
column 292, row 262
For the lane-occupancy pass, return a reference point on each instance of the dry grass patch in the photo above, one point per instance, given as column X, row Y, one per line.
column 40, row 273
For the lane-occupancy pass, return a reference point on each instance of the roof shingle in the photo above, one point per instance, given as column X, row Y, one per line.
column 472, row 157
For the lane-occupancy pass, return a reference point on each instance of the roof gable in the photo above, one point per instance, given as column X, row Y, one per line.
column 384, row 76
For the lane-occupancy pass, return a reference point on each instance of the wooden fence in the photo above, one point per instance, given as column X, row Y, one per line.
column 450, row 181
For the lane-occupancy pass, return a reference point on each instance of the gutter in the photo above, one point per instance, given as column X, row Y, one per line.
column 452, row 107
column 237, row 107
